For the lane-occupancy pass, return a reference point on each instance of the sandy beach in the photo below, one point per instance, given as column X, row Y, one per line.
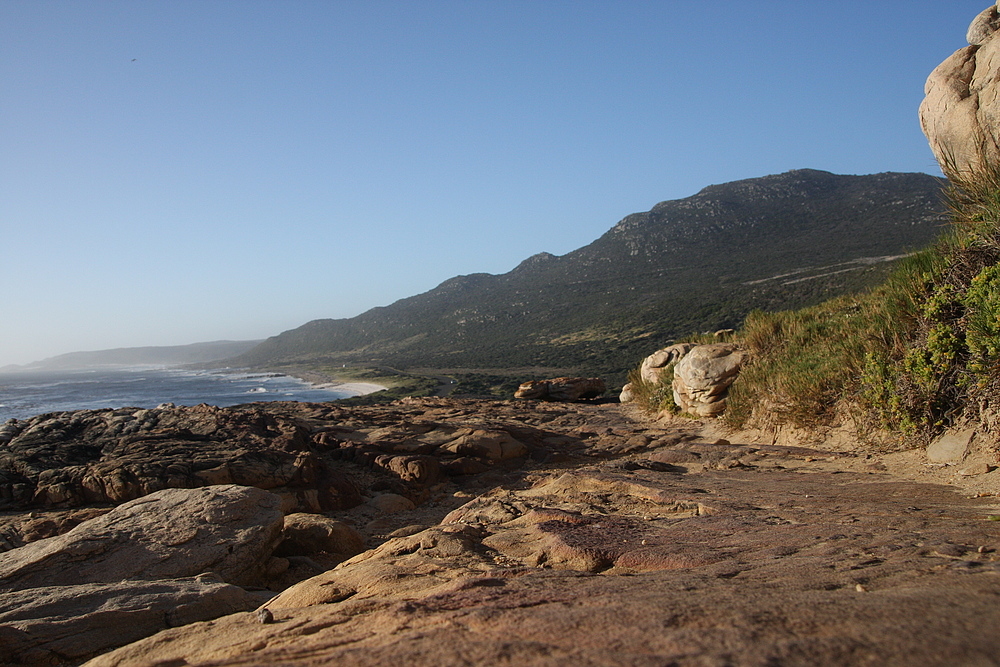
column 321, row 380
column 356, row 388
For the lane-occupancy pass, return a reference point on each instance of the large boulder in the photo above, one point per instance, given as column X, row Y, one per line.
column 229, row 530
column 960, row 113
column 311, row 534
column 703, row 376
column 654, row 367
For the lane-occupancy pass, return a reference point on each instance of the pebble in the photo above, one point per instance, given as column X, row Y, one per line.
column 265, row 616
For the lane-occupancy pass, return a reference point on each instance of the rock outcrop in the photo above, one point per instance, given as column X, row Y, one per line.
column 562, row 389
column 679, row 546
column 174, row 533
column 309, row 455
column 157, row 562
column 703, row 376
column 699, row 375
column 53, row 624
column 960, row 113
column 742, row 555
column 655, row 367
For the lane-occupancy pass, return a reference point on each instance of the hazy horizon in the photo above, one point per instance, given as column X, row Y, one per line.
column 184, row 172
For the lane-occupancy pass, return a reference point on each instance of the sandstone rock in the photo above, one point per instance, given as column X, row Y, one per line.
column 174, row 533
column 761, row 567
column 390, row 503
column 400, row 569
column 112, row 456
column 51, row 624
column 980, row 468
column 627, row 394
column 562, row 389
column 420, row 469
column 983, row 26
column 307, row 534
column 652, row 367
column 951, row 446
column 492, row 445
column 961, row 107
column 703, row 376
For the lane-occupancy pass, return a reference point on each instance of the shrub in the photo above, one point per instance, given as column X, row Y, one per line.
column 910, row 355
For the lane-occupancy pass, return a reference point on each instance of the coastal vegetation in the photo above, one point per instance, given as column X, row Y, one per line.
column 909, row 356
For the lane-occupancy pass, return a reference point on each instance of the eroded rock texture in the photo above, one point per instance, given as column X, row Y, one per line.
column 960, row 113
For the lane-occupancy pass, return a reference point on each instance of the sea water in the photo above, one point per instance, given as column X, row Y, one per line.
column 27, row 393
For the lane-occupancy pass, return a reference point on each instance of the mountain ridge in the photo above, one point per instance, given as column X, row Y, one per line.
column 680, row 267
column 167, row 355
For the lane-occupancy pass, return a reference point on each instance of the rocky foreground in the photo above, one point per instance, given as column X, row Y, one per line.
column 454, row 532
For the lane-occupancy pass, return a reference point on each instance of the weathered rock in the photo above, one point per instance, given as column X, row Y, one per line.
column 308, row 534
column 961, row 107
column 492, row 445
column 951, row 446
column 741, row 567
column 16, row 530
column 112, row 456
column 51, row 624
column 703, row 376
column 420, row 469
column 983, row 26
column 390, row 503
column 627, row 394
column 402, row 568
column 174, row 533
column 562, row 389
column 654, row 366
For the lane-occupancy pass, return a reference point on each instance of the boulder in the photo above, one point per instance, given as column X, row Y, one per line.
column 562, row 389
column 493, row 445
column 309, row 534
column 391, row 503
column 961, row 107
column 654, row 366
column 419, row 469
column 703, row 376
column 229, row 530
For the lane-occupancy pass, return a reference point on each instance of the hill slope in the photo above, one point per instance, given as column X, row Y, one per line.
column 172, row 355
column 693, row 264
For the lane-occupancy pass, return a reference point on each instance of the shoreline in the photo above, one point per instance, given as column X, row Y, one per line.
column 321, row 380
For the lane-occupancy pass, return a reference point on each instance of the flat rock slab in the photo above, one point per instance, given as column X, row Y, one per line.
column 43, row 626
column 603, row 566
column 230, row 530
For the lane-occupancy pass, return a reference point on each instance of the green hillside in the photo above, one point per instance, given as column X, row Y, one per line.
column 694, row 264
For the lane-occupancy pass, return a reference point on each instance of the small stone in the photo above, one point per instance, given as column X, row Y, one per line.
column 975, row 469
column 265, row 616
column 861, row 589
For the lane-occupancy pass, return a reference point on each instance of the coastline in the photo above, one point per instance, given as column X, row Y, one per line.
column 321, row 380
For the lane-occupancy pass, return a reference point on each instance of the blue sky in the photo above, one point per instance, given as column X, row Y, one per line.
column 176, row 172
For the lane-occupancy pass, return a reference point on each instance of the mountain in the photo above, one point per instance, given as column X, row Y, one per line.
column 687, row 265
column 174, row 355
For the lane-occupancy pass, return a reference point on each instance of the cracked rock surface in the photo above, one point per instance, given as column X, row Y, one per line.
column 616, row 541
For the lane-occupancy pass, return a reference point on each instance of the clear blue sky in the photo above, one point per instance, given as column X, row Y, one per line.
column 175, row 172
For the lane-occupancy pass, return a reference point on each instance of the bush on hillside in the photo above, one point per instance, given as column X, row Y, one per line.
column 910, row 355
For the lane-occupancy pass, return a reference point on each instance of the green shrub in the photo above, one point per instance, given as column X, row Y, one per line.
column 909, row 355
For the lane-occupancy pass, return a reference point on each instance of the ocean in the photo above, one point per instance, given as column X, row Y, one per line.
column 27, row 393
